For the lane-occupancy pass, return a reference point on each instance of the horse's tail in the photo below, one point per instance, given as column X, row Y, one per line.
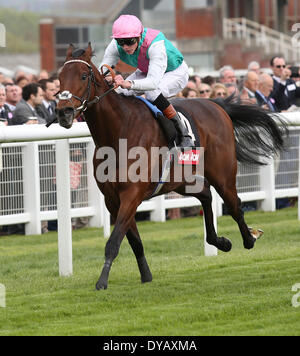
column 258, row 134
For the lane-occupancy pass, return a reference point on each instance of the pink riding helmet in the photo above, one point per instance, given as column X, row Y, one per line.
column 127, row 26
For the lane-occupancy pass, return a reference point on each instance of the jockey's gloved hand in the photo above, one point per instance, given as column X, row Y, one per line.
column 120, row 81
column 109, row 79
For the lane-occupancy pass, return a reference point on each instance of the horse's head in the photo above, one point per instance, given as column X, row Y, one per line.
column 77, row 87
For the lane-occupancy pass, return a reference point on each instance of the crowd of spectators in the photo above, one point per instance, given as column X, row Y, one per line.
column 276, row 89
column 28, row 99
column 25, row 100
column 36, row 93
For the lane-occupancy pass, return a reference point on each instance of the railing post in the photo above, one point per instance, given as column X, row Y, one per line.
column 244, row 28
column 230, row 29
column 281, row 44
column 225, row 27
column 64, row 208
column 96, row 198
column 94, row 194
column 106, row 219
column 264, row 41
column 31, row 177
column 219, row 205
column 159, row 213
column 299, row 180
column 238, row 30
column 267, row 183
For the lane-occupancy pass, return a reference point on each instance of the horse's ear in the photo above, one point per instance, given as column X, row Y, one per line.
column 70, row 50
column 89, row 50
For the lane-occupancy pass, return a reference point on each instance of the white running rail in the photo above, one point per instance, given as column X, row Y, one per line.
column 30, row 153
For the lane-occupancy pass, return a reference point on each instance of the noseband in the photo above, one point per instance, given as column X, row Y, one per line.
column 85, row 99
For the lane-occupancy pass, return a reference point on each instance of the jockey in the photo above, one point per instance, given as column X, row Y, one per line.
column 161, row 71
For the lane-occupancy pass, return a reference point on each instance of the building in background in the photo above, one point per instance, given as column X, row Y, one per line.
column 214, row 33
column 58, row 31
column 210, row 33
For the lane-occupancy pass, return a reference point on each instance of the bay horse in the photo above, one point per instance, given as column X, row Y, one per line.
column 228, row 132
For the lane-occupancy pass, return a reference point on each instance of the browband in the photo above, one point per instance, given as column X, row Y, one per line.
column 78, row 61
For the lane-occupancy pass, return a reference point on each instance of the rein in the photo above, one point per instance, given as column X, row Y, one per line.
column 85, row 103
column 108, row 71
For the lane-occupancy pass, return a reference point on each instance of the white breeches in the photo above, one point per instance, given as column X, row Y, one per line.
column 171, row 84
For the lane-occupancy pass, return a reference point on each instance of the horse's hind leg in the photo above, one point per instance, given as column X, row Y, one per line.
column 233, row 203
column 138, row 249
column 222, row 243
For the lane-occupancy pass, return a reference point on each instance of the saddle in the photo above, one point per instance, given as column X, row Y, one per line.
column 189, row 157
column 168, row 126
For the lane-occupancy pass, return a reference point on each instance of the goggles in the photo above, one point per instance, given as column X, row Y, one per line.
column 126, row 41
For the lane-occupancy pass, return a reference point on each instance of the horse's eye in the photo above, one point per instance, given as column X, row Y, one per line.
column 84, row 76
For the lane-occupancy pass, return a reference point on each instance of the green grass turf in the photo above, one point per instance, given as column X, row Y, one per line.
column 237, row 293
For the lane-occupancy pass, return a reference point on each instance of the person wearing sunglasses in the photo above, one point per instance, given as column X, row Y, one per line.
column 219, row 91
column 190, row 93
column 285, row 90
column 204, row 91
column 161, row 70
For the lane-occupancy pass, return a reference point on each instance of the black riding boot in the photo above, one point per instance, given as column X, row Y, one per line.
column 186, row 140
column 168, row 129
column 170, row 113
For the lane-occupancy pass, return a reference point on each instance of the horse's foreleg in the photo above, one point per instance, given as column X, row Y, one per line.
column 111, row 251
column 222, row 243
column 138, row 249
column 125, row 215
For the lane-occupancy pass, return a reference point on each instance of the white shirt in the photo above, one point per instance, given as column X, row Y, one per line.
column 158, row 62
column 250, row 93
column 283, row 82
column 47, row 104
column 11, row 107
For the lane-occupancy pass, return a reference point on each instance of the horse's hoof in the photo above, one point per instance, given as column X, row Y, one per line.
column 146, row 279
column 249, row 244
column 224, row 244
column 221, row 243
column 100, row 285
column 256, row 233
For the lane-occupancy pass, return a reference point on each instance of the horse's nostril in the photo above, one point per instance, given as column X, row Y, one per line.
column 68, row 111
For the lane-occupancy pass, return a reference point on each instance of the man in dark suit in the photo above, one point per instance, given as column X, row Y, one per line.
column 13, row 95
column 251, row 82
column 265, row 88
column 285, row 90
column 25, row 112
column 7, row 201
column 46, row 109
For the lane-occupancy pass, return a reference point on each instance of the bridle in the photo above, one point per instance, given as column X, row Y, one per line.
column 85, row 99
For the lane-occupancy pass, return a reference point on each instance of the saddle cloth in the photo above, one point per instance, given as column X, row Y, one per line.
column 190, row 157
column 184, row 116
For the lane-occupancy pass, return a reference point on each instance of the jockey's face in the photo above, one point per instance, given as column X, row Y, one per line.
column 130, row 48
